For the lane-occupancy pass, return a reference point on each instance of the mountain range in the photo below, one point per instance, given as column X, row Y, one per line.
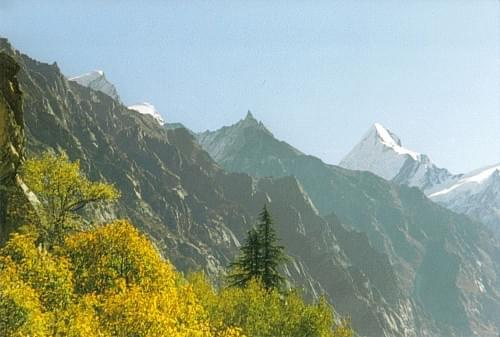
column 476, row 194
column 427, row 249
column 384, row 254
column 196, row 213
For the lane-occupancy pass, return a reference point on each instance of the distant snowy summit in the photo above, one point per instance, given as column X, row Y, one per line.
column 146, row 108
column 96, row 80
column 476, row 194
column 380, row 151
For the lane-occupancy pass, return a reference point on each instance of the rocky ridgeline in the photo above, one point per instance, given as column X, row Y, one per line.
column 194, row 211
column 445, row 284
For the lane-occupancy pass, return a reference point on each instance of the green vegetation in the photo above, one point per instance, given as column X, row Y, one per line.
column 260, row 257
column 57, row 279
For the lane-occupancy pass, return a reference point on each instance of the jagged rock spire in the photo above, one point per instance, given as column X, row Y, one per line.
column 249, row 115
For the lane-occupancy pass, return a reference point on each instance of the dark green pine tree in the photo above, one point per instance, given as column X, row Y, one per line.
column 260, row 257
column 248, row 264
column 272, row 254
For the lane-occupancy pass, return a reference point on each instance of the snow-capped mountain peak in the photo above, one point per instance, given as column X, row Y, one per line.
column 381, row 152
column 476, row 194
column 146, row 108
column 85, row 79
column 393, row 142
column 470, row 183
column 96, row 80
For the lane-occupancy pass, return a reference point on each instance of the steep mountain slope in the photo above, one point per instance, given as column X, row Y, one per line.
column 97, row 80
column 476, row 194
column 380, row 151
column 196, row 212
column 445, row 263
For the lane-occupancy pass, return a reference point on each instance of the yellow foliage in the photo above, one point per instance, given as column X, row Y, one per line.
column 62, row 191
column 112, row 282
column 115, row 253
column 259, row 312
column 170, row 312
column 77, row 320
column 21, row 313
column 49, row 275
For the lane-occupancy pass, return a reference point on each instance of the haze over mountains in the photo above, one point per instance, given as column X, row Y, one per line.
column 383, row 253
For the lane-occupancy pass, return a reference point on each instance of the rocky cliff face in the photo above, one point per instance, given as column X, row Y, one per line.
column 195, row 211
column 446, row 265
column 11, row 134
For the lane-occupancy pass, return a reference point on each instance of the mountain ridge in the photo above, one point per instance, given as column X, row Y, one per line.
column 399, row 221
column 476, row 194
column 460, row 193
column 193, row 210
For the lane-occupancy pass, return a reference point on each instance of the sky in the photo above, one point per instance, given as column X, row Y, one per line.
column 317, row 73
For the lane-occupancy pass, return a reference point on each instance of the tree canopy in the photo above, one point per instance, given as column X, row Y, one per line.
column 62, row 191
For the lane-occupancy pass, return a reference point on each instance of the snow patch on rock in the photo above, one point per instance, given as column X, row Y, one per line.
column 96, row 80
column 146, row 108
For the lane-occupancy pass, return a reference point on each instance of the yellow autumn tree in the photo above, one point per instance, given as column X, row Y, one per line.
column 40, row 286
column 138, row 293
column 62, row 190
column 260, row 312
column 21, row 313
column 105, row 257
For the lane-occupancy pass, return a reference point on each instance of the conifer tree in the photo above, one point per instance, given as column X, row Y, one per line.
column 260, row 257
column 248, row 265
column 272, row 254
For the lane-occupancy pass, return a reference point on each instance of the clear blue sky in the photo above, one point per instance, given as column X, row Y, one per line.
column 318, row 75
